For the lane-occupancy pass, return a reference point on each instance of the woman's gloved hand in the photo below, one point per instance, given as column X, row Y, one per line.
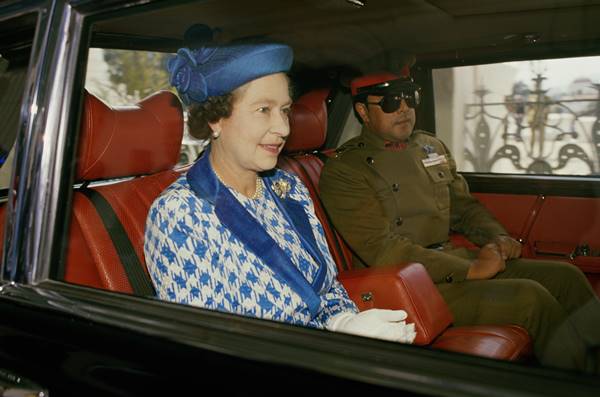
column 375, row 323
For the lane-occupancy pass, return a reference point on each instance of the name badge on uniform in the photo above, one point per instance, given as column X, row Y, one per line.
column 434, row 159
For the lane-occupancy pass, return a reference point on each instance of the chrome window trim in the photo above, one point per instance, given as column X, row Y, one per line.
column 34, row 195
column 13, row 232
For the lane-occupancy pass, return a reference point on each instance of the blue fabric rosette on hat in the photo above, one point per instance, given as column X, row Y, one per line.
column 217, row 70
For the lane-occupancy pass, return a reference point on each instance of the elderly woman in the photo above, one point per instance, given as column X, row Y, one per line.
column 235, row 234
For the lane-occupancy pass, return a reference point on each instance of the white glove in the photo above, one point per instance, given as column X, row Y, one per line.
column 374, row 323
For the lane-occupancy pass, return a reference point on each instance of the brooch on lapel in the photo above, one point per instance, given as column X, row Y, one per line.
column 281, row 188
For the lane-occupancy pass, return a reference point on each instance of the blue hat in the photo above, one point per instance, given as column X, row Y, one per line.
column 217, row 70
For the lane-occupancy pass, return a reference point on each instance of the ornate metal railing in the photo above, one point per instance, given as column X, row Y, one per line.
column 537, row 134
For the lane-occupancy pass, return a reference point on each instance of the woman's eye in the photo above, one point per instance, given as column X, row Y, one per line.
column 263, row 109
column 286, row 111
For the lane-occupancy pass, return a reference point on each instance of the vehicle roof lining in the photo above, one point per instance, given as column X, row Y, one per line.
column 462, row 8
column 332, row 32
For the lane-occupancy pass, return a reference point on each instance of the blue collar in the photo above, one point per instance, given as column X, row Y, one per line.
column 205, row 184
column 203, row 180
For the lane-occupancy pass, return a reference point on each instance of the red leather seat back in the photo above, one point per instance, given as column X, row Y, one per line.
column 120, row 142
column 130, row 140
column 308, row 129
column 92, row 259
column 308, row 123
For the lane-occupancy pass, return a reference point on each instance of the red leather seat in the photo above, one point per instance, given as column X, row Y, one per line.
column 508, row 342
column 145, row 140
column 405, row 286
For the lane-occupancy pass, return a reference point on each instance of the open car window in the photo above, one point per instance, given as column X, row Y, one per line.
column 113, row 135
column 123, row 85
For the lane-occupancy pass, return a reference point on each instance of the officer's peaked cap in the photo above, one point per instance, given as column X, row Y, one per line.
column 378, row 83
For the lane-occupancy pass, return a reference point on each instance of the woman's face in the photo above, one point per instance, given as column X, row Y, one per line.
column 253, row 136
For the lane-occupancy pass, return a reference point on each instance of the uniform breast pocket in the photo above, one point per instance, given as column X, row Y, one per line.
column 440, row 173
column 441, row 177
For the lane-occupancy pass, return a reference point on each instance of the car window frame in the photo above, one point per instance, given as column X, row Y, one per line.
column 505, row 183
column 49, row 139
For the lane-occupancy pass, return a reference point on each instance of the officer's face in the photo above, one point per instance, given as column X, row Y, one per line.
column 395, row 126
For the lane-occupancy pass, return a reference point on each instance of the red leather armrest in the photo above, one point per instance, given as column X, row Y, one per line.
column 405, row 286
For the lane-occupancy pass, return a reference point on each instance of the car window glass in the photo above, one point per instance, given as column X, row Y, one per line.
column 522, row 117
column 351, row 129
column 16, row 38
column 15, row 45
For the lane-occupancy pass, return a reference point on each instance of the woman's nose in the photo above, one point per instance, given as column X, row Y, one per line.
column 281, row 124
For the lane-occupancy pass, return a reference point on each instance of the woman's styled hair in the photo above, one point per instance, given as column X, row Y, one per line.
column 209, row 111
column 215, row 108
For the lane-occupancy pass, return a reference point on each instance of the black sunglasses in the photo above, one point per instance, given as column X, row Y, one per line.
column 391, row 102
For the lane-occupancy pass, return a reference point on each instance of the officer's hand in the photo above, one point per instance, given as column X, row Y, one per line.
column 489, row 262
column 509, row 247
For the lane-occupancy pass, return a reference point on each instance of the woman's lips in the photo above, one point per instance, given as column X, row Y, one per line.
column 272, row 148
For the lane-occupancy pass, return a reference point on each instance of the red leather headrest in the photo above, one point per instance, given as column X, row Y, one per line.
column 127, row 141
column 308, row 122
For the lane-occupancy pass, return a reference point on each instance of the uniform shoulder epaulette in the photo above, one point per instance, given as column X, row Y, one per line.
column 421, row 136
column 424, row 133
column 348, row 147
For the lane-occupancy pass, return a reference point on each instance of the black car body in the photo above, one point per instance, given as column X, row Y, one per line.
column 70, row 339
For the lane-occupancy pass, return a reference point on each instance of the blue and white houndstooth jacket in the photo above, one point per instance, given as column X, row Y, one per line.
column 209, row 246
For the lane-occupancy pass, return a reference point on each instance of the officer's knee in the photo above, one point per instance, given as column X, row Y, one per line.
column 566, row 279
column 571, row 274
column 537, row 310
column 533, row 297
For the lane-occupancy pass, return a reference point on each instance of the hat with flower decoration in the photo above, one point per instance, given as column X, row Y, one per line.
column 214, row 70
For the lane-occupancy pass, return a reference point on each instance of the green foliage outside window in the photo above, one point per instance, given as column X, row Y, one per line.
column 136, row 74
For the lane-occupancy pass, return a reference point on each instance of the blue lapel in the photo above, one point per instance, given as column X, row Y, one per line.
column 234, row 217
column 296, row 216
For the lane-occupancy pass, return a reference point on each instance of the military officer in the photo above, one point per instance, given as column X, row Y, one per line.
column 394, row 195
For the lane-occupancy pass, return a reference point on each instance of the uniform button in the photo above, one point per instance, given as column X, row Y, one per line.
column 370, row 160
column 449, row 278
column 399, row 221
column 361, row 144
column 395, row 187
column 441, row 174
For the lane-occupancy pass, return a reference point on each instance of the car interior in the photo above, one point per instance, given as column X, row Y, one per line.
column 125, row 156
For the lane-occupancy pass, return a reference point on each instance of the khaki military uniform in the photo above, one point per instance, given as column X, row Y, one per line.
column 399, row 205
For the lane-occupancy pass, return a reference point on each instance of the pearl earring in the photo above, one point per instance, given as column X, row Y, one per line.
column 216, row 134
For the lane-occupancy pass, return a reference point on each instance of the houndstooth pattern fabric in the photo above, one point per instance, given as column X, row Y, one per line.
column 193, row 259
